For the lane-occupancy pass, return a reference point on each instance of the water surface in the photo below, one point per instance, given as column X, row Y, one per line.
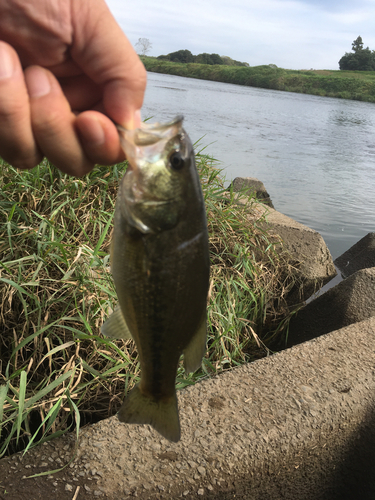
column 315, row 155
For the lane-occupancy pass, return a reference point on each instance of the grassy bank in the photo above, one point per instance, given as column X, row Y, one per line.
column 358, row 85
column 57, row 371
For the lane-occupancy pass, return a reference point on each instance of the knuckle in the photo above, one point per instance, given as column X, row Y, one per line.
column 48, row 123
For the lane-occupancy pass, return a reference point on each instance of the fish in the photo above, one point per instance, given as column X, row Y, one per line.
column 160, row 267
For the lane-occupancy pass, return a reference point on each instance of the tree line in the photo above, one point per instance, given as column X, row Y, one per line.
column 185, row 56
column 359, row 59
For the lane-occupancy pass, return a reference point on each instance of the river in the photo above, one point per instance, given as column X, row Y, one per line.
column 315, row 155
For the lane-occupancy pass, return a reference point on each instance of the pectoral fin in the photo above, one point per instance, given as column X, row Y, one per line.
column 115, row 326
column 195, row 351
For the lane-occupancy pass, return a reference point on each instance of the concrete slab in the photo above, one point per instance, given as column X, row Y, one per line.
column 359, row 256
column 351, row 301
column 315, row 266
column 297, row 425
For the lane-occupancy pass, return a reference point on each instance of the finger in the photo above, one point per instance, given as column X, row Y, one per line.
column 17, row 144
column 81, row 92
column 105, row 54
column 99, row 138
column 53, row 123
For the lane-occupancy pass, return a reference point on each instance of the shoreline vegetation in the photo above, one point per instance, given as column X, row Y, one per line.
column 355, row 85
column 57, row 371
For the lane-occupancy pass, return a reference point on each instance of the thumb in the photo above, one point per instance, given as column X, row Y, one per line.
column 104, row 53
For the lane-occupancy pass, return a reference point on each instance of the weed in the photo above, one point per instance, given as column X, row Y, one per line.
column 56, row 369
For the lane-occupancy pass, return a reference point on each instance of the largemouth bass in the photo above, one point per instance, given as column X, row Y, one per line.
column 160, row 266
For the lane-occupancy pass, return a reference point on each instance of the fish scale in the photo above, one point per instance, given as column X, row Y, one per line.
column 160, row 267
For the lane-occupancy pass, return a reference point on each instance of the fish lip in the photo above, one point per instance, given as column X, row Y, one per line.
column 149, row 133
column 153, row 127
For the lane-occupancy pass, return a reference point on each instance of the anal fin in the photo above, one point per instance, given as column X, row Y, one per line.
column 195, row 351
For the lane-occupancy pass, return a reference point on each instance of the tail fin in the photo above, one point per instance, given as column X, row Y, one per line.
column 162, row 416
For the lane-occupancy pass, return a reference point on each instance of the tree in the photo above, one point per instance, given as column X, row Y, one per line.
column 183, row 56
column 143, row 46
column 216, row 59
column 360, row 59
column 228, row 61
column 357, row 45
column 205, row 58
column 348, row 61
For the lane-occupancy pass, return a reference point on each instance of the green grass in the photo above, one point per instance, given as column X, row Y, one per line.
column 358, row 85
column 57, row 371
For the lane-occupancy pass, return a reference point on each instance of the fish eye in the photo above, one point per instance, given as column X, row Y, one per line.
column 176, row 161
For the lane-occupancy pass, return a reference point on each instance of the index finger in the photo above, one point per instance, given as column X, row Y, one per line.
column 105, row 54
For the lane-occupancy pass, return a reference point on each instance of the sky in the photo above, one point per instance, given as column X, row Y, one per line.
column 293, row 34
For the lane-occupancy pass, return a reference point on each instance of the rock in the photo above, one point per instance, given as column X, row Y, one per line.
column 253, row 185
column 350, row 301
column 359, row 256
column 315, row 265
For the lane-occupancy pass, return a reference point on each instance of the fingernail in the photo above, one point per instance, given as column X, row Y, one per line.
column 137, row 118
column 135, row 121
column 6, row 63
column 37, row 82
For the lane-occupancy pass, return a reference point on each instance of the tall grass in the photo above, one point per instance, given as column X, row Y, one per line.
column 56, row 369
column 358, row 85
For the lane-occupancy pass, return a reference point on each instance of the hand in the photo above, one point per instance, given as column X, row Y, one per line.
column 67, row 72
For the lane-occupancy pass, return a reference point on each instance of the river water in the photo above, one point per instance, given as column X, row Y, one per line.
column 315, row 155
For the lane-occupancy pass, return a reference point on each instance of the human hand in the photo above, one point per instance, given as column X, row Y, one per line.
column 67, row 72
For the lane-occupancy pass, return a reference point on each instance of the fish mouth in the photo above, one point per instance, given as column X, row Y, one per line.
column 151, row 133
column 148, row 141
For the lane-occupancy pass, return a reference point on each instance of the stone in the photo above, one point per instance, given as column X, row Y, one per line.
column 351, row 301
column 202, row 471
column 314, row 264
column 359, row 256
column 252, row 185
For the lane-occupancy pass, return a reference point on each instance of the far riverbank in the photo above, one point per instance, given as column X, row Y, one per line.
column 355, row 85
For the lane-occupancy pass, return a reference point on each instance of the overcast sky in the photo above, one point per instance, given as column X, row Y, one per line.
column 293, row 34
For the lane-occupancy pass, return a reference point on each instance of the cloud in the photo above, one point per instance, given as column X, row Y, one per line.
column 290, row 33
